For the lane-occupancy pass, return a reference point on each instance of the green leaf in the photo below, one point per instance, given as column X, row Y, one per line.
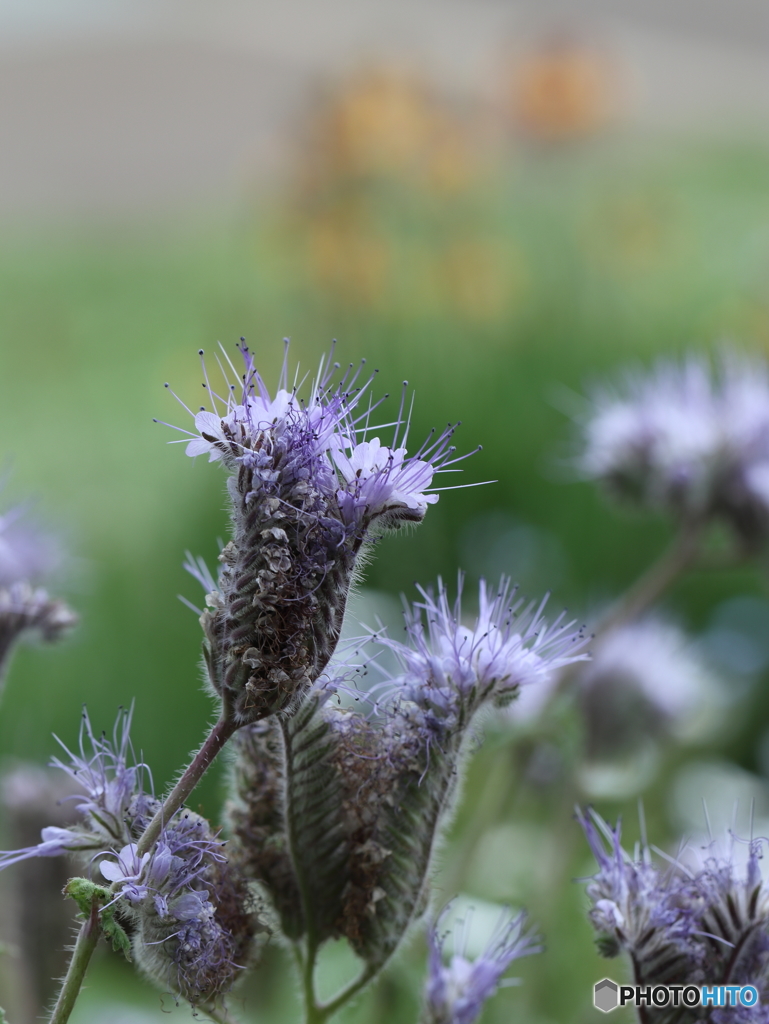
column 85, row 893
column 115, row 932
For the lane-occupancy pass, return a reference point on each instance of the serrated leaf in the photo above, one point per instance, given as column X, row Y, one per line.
column 115, row 933
column 83, row 891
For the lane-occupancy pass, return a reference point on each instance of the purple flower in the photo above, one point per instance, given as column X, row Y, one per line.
column 701, row 920
column 310, row 483
column 645, row 679
column 455, row 993
column 192, row 915
column 25, row 555
column 381, row 483
column 639, row 908
column 448, row 665
column 689, row 437
column 55, row 841
column 111, row 785
column 195, row 933
column 127, row 872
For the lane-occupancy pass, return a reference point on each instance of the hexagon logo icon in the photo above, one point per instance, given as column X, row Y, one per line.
column 605, row 995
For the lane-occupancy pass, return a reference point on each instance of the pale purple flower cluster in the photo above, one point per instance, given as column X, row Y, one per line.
column 310, row 483
column 175, row 890
column 26, row 554
column 325, row 437
column 450, row 668
column 690, row 437
column 455, row 993
column 681, row 924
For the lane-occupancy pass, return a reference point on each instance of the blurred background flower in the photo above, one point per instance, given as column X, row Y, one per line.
column 501, row 203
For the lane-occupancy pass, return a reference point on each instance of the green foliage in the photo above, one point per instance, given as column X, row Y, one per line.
column 86, row 893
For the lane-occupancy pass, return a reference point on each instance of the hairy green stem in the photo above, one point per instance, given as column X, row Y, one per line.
column 87, row 940
column 192, row 775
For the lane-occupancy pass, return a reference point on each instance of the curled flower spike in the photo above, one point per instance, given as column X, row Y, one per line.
column 690, row 438
column 349, row 807
column 701, row 919
column 310, row 483
column 450, row 668
column 456, row 993
column 190, row 913
column 637, row 907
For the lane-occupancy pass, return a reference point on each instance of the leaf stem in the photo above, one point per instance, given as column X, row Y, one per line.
column 87, row 940
column 191, row 776
column 651, row 585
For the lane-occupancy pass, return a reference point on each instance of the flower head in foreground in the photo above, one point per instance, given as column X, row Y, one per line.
column 190, row 913
column 688, row 437
column 450, row 669
column 456, row 992
column 685, row 924
column 25, row 555
column 310, row 483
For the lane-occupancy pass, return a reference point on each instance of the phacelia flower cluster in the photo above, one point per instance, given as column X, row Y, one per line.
column 310, row 483
column 189, row 912
column 348, row 806
column 26, row 555
column 689, row 437
column 449, row 669
column 644, row 680
column 681, row 924
column 456, row 992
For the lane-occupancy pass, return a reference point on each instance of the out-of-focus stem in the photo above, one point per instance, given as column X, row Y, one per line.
column 652, row 584
column 647, row 589
column 192, row 775
column 87, row 940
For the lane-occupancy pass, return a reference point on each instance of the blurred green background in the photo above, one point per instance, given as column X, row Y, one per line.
column 500, row 282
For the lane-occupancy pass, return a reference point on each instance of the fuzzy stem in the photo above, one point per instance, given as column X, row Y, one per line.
column 192, row 775
column 86, row 942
